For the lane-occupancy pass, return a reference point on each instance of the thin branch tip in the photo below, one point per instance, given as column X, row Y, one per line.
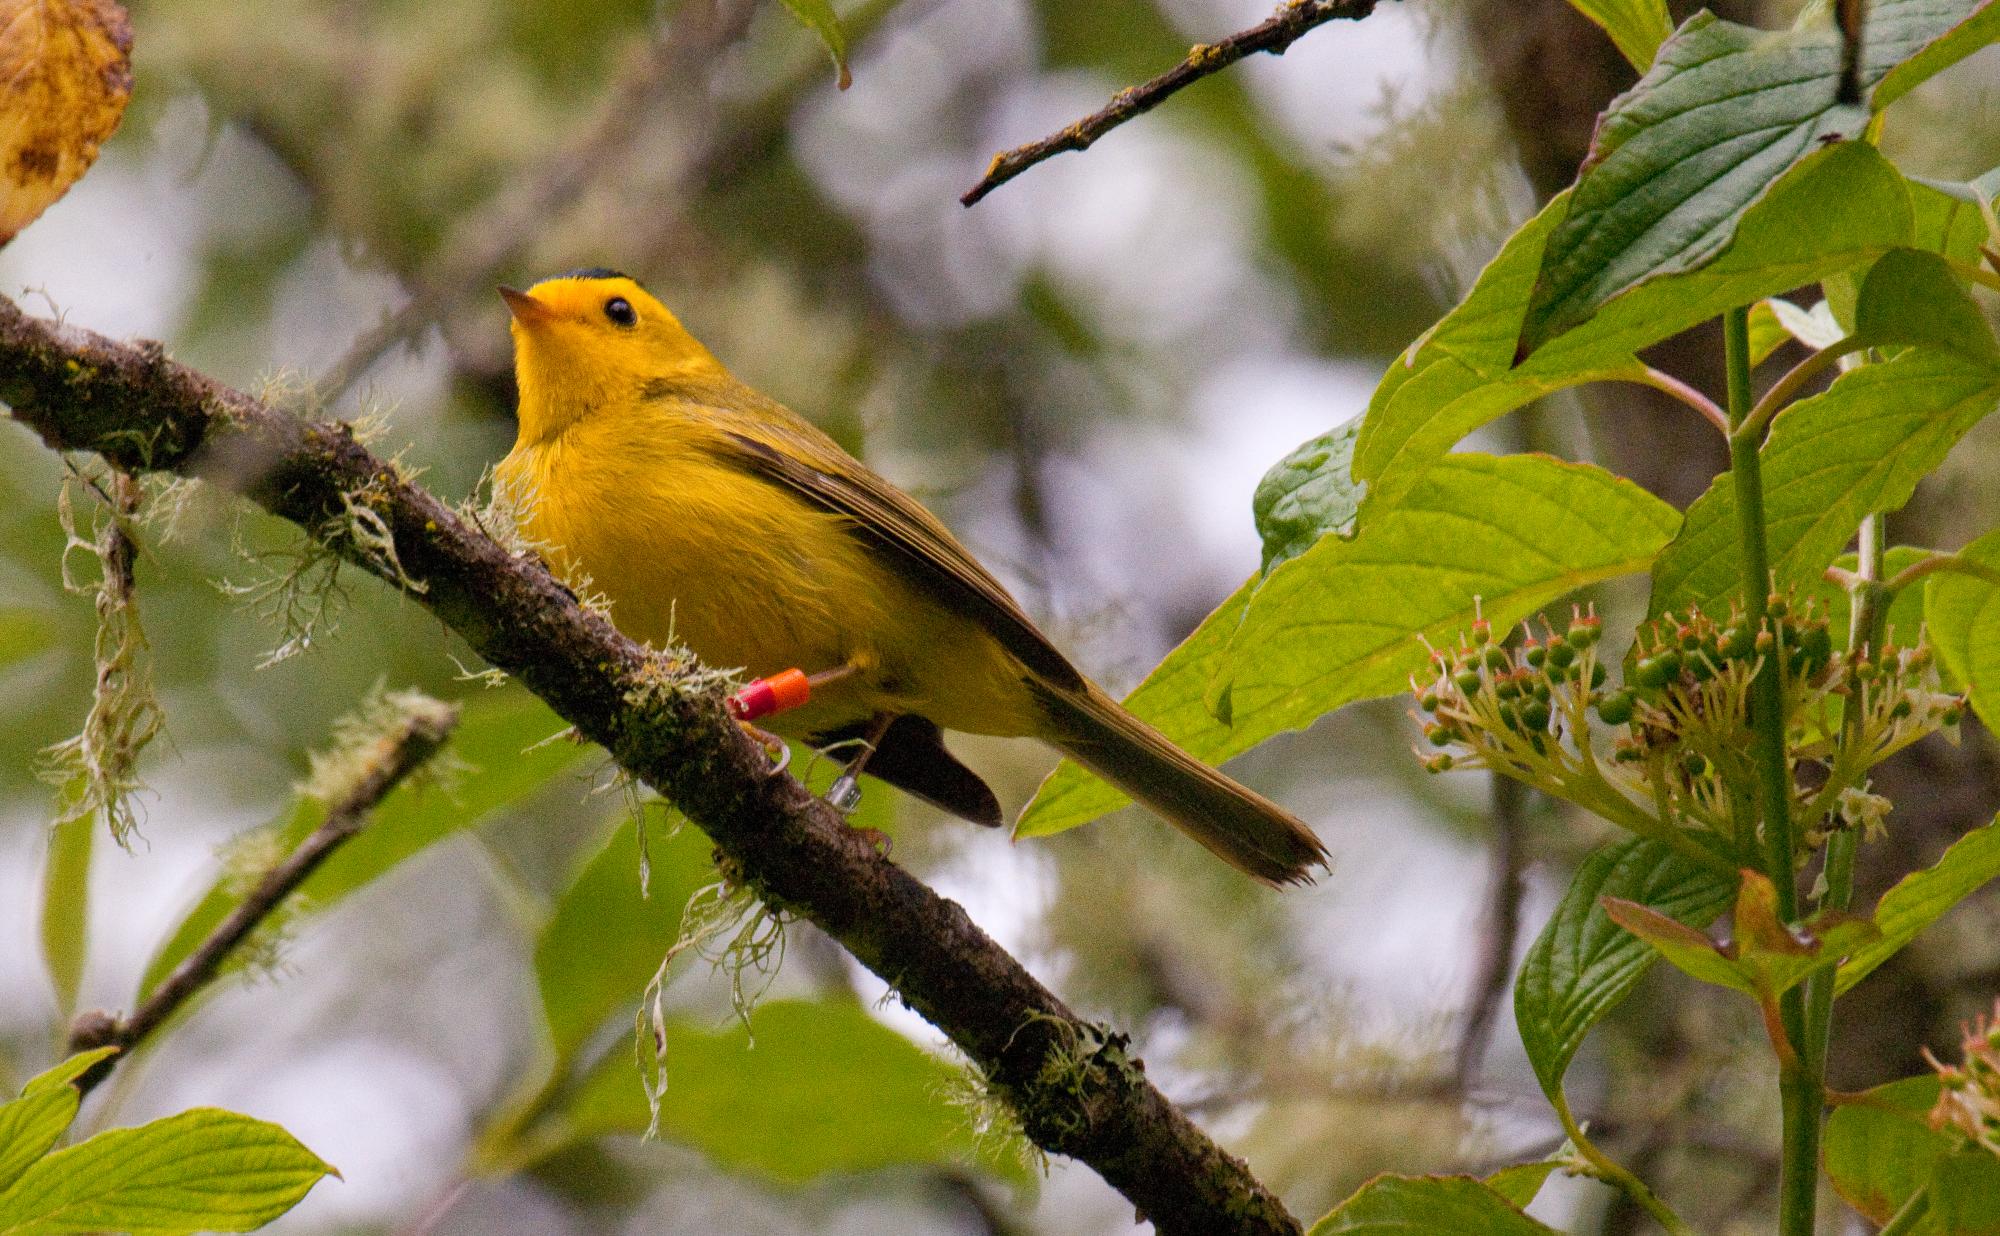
column 1292, row 21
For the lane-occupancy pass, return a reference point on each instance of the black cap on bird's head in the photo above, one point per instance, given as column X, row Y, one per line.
column 587, row 272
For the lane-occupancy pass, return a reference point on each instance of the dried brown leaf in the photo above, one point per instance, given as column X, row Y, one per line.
column 65, row 75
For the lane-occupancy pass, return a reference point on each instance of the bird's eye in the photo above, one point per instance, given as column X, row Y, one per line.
column 620, row 311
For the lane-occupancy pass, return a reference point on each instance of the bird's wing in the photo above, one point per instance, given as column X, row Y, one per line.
column 814, row 467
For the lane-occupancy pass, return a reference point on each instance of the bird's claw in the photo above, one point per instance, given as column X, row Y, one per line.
column 777, row 748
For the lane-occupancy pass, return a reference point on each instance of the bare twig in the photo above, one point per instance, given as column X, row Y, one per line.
column 392, row 756
column 1503, row 924
column 1076, row 1087
column 1274, row 34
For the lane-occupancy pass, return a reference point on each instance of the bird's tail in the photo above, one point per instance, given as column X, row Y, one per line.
column 1247, row 830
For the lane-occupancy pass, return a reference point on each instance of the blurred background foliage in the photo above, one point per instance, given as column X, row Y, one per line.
column 1086, row 375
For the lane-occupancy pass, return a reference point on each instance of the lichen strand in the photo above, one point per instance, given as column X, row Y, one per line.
column 97, row 770
column 794, row 851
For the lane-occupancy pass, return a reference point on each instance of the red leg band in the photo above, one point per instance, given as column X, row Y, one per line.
column 779, row 693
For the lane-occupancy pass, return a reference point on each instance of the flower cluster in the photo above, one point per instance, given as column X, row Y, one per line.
column 1671, row 748
column 1970, row 1100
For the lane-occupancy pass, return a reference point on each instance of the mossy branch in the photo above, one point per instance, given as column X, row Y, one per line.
column 80, row 391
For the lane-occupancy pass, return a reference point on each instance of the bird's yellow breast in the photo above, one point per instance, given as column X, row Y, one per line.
column 689, row 549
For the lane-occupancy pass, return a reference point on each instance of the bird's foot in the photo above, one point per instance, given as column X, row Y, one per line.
column 875, row 837
column 777, row 748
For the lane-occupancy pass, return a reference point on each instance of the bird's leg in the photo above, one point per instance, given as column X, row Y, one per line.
column 780, row 692
column 845, row 792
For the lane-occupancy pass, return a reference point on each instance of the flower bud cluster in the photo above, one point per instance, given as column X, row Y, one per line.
column 1970, row 1100
column 1680, row 744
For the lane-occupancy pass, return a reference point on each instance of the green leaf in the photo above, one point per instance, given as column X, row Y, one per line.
column 1676, row 161
column 818, row 16
column 1583, row 965
column 29, row 1126
column 1838, row 208
column 1400, row 1205
column 1766, row 958
column 1947, row 219
column 1963, row 39
column 1964, row 616
column 32, row 1123
column 203, row 1170
column 1922, row 897
column 823, row 1088
column 1859, row 448
column 1308, row 494
column 1520, row 1183
column 1911, row 297
column 1882, row 1149
column 68, row 1071
column 1503, row 535
column 66, row 908
column 1341, row 622
column 500, row 738
column 1965, row 1194
column 1638, row 27
column 24, row 632
column 605, row 940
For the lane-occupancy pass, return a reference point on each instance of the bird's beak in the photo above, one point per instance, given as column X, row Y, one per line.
column 526, row 309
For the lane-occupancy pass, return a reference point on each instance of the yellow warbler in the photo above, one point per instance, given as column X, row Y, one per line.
column 708, row 514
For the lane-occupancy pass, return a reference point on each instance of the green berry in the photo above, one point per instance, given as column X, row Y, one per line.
column 1615, row 708
column 1467, row 680
column 1736, row 643
column 1561, row 654
column 1659, row 669
column 1535, row 715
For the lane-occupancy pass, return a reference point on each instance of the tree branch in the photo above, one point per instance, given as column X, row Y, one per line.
column 420, row 730
column 1274, row 34
column 1075, row 1087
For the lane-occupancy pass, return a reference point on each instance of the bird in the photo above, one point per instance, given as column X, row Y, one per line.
column 709, row 516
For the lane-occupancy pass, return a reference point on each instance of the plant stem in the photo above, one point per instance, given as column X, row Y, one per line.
column 1906, row 1219
column 1616, row 1174
column 1800, row 1088
column 1869, row 611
